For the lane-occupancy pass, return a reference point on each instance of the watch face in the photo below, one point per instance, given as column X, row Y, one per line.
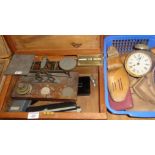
column 138, row 64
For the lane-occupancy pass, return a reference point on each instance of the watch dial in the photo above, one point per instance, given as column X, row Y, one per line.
column 138, row 64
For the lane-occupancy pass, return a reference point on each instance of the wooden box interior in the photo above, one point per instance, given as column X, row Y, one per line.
column 93, row 106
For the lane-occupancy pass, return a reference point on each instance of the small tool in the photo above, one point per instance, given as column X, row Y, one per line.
column 55, row 107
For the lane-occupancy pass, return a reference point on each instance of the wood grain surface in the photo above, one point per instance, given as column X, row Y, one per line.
column 54, row 44
column 3, row 64
column 4, row 49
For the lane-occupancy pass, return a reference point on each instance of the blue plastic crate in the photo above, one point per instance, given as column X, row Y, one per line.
column 125, row 43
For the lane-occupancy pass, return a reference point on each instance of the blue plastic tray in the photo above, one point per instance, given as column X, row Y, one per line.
column 125, row 43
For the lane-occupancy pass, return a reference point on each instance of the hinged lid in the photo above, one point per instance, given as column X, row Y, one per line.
column 4, row 50
column 54, row 44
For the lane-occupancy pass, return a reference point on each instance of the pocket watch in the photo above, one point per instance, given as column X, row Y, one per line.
column 141, row 47
column 138, row 63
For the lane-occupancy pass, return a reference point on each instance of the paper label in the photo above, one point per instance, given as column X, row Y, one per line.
column 14, row 108
column 18, row 72
column 33, row 115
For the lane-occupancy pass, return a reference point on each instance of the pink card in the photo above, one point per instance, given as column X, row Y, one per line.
column 126, row 104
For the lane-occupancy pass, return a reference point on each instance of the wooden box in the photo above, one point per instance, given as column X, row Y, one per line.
column 55, row 46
